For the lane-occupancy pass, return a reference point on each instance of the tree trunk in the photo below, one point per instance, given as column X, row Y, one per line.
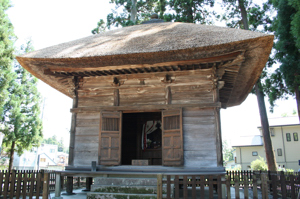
column 11, row 159
column 190, row 17
column 244, row 14
column 133, row 11
column 262, row 106
column 265, row 128
column 298, row 100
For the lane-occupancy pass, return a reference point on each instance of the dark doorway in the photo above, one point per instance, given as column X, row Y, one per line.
column 141, row 138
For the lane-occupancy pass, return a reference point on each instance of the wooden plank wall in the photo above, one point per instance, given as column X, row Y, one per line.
column 180, row 87
column 199, row 141
column 187, row 87
column 86, row 139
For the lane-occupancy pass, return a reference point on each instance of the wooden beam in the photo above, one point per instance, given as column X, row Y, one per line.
column 142, row 108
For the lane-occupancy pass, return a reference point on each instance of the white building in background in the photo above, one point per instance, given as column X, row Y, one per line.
column 44, row 157
column 285, row 140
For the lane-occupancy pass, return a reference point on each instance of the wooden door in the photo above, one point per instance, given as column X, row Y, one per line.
column 172, row 138
column 110, row 138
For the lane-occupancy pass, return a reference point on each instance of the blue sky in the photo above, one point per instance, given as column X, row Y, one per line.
column 50, row 22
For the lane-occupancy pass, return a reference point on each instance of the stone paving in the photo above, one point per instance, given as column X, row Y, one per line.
column 79, row 194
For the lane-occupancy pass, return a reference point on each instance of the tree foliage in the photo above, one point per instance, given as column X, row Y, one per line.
column 287, row 46
column 6, row 53
column 259, row 164
column 191, row 11
column 21, row 118
column 258, row 15
column 121, row 15
column 295, row 21
column 131, row 12
column 53, row 140
column 227, row 151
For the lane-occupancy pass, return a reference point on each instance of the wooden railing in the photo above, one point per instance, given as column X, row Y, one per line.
column 24, row 183
column 254, row 184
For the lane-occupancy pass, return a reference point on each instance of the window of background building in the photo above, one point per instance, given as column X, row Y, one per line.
column 295, row 135
column 52, row 150
column 288, row 137
column 43, row 159
column 279, row 152
column 254, row 153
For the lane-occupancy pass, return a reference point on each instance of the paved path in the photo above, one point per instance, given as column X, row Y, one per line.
column 79, row 194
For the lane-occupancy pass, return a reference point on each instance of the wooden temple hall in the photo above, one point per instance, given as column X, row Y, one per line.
column 151, row 94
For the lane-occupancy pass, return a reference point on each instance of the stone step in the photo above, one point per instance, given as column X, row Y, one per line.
column 125, row 181
column 99, row 195
column 125, row 189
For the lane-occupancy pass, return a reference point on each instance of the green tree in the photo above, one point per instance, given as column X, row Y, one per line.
column 191, row 11
column 295, row 21
column 133, row 12
column 6, row 53
column 53, row 140
column 238, row 13
column 22, row 124
column 227, row 151
column 287, row 32
column 259, row 165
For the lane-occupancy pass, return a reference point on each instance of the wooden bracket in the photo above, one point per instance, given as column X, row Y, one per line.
column 168, row 79
column 117, row 82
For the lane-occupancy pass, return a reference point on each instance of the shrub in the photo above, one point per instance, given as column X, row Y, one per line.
column 259, row 164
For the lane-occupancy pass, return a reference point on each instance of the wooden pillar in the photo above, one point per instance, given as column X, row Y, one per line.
column 218, row 137
column 217, row 86
column 89, row 182
column 69, row 188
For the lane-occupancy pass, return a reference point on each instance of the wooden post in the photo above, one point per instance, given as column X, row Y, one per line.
column 72, row 136
column 78, row 182
column 168, row 94
column 116, row 97
column 159, row 186
column 228, row 180
column 264, row 186
column 12, row 183
column 237, row 186
column 57, row 186
column 89, row 182
column 246, row 187
column 69, row 188
column 283, row 185
column 255, row 195
column 168, row 187
column 46, row 185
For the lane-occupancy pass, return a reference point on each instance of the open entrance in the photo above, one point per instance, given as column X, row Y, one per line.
column 141, row 138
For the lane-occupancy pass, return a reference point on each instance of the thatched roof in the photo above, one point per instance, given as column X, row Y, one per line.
column 151, row 44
